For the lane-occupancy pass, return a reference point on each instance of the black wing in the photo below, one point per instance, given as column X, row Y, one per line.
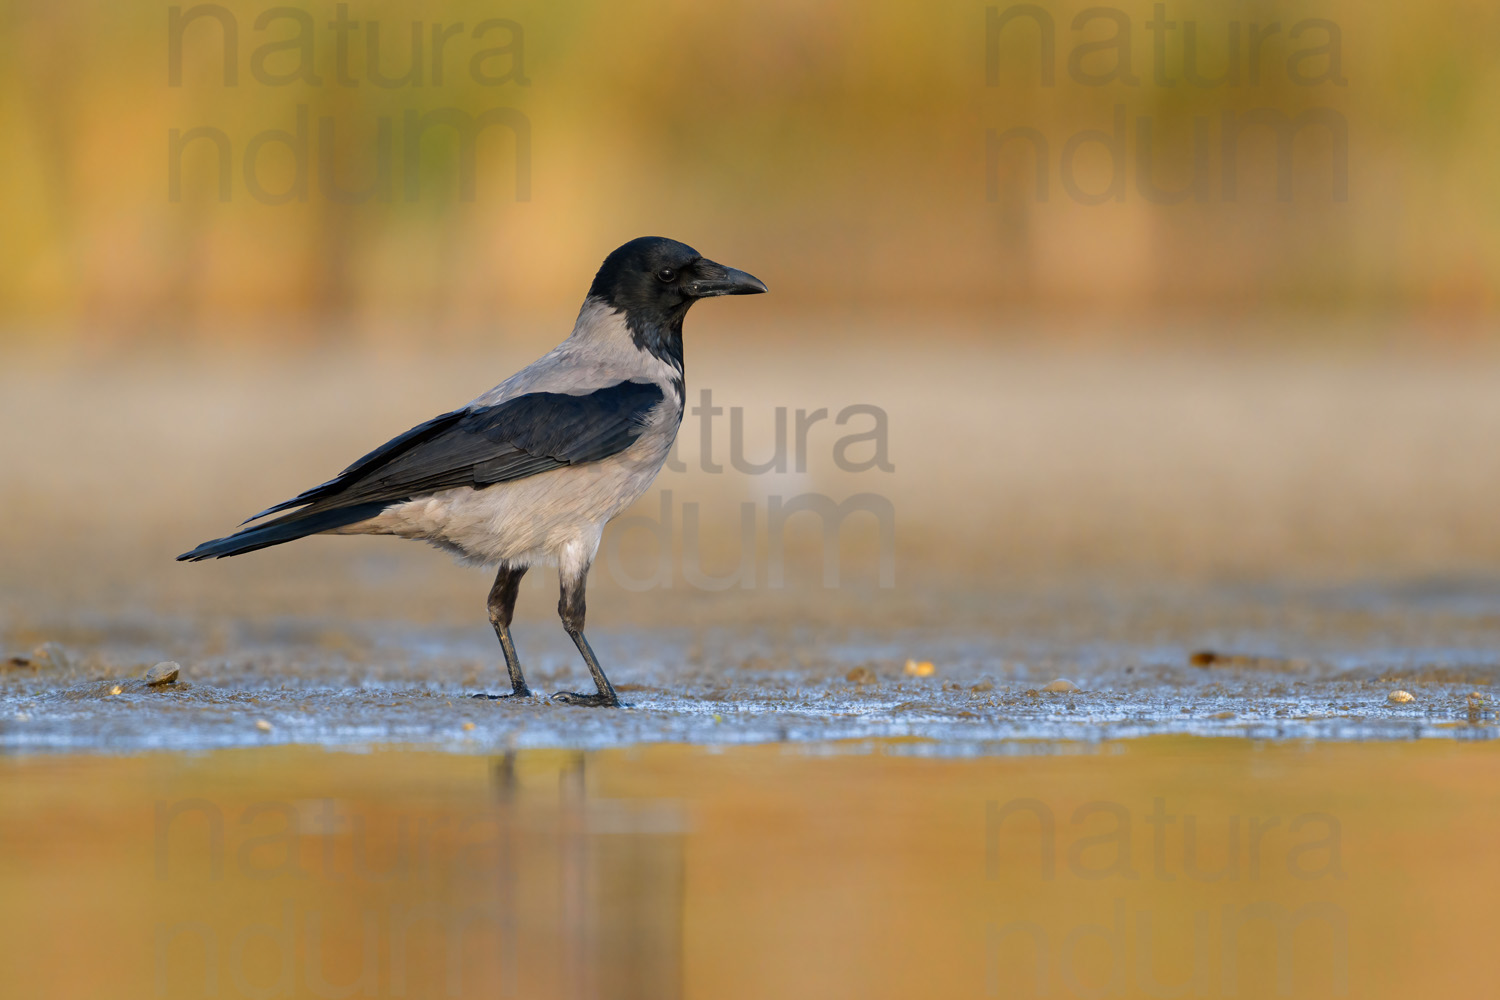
column 473, row 447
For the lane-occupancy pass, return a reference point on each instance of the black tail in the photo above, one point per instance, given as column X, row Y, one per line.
column 283, row 529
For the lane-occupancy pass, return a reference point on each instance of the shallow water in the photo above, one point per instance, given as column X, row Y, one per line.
column 317, row 808
column 1123, row 868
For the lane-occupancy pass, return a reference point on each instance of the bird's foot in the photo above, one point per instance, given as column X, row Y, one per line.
column 595, row 700
column 520, row 693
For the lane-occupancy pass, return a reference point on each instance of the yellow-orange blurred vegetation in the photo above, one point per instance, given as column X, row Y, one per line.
column 837, row 149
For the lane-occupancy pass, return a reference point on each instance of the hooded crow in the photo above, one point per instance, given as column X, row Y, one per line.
column 531, row 471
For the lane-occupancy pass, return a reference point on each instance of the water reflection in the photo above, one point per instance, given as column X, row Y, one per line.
column 1147, row 868
column 536, row 888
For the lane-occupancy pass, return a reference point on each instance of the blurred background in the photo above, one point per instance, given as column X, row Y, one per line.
column 843, row 145
column 1182, row 292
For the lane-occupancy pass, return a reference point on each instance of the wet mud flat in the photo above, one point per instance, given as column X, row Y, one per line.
column 1344, row 672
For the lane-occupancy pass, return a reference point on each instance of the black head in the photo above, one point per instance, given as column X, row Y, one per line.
column 654, row 281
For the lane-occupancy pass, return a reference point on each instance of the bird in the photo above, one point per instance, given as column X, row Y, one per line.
column 530, row 472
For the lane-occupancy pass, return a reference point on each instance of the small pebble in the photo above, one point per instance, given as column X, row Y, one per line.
column 983, row 687
column 163, row 673
column 1203, row 658
column 263, row 725
column 1062, row 684
column 860, row 675
column 1400, row 697
column 468, row 727
column 114, row 690
column 919, row 668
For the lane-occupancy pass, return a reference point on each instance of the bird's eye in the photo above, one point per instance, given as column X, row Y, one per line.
column 666, row 274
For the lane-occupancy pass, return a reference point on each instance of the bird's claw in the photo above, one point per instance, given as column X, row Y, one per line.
column 596, row 700
column 523, row 693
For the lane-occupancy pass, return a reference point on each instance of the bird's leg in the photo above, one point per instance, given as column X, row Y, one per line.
column 570, row 610
column 502, row 606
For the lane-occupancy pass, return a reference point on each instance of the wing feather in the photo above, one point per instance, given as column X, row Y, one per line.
column 475, row 447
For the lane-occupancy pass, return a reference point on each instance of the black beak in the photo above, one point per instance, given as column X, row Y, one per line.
column 715, row 279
